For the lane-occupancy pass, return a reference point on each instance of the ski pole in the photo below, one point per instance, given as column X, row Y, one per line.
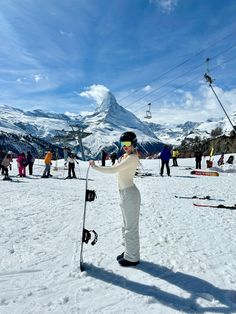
column 79, row 171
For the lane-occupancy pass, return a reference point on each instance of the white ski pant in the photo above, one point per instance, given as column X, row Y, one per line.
column 130, row 206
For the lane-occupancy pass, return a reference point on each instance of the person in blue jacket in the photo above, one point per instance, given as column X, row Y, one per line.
column 165, row 158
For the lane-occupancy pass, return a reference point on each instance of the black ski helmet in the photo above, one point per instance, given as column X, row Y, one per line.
column 129, row 136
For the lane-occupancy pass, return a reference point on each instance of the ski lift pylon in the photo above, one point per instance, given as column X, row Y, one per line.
column 148, row 112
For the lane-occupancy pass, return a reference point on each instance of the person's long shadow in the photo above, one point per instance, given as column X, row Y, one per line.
column 196, row 287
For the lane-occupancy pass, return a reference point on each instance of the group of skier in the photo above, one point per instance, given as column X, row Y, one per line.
column 22, row 160
column 25, row 161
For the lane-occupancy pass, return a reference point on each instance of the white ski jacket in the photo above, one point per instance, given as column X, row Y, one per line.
column 126, row 170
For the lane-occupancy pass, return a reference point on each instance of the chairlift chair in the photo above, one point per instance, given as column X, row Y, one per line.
column 148, row 112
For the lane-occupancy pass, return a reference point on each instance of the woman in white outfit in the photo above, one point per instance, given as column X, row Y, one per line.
column 129, row 198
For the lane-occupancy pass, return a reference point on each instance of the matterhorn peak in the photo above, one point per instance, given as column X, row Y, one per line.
column 108, row 102
column 104, row 99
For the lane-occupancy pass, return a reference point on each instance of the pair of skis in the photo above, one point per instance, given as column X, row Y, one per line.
column 86, row 236
column 216, row 206
column 207, row 197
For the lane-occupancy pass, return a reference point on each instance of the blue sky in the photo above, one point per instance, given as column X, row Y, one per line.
column 62, row 56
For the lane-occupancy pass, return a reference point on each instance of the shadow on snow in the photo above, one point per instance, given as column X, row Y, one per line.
column 196, row 287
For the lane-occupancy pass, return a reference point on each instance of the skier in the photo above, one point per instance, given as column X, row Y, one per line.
column 5, row 164
column 230, row 160
column 104, row 156
column 30, row 161
column 2, row 155
column 48, row 162
column 113, row 158
column 165, row 158
column 71, row 159
column 198, row 159
column 129, row 199
column 21, row 164
column 175, row 155
column 221, row 160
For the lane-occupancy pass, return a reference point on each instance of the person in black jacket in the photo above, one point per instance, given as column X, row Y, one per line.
column 104, row 156
column 198, row 159
column 30, row 162
column 165, row 158
column 113, row 158
column 2, row 155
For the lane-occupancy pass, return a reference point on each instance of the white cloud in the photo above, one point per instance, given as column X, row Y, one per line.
column 63, row 33
column 38, row 77
column 166, row 5
column 147, row 88
column 95, row 92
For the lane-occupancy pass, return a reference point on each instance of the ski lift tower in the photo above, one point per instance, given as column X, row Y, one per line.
column 209, row 80
column 77, row 134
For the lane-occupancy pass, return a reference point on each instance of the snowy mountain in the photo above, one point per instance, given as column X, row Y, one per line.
column 36, row 122
column 106, row 124
column 174, row 134
column 109, row 121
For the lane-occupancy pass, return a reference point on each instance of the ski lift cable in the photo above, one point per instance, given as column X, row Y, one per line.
column 172, row 80
column 180, row 64
column 189, row 81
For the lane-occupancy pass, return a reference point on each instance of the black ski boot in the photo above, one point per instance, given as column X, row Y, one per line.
column 123, row 262
column 120, row 256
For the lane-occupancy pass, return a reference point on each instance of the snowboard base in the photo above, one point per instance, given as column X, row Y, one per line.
column 205, row 173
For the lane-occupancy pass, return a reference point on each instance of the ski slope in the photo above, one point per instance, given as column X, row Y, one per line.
column 188, row 257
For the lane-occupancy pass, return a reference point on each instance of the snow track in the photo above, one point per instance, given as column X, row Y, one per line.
column 188, row 253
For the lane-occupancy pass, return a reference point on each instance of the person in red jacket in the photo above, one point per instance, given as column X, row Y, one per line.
column 21, row 163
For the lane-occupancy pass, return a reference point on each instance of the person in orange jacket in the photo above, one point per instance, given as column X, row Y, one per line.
column 48, row 162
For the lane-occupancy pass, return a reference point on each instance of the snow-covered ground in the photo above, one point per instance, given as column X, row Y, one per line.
column 188, row 256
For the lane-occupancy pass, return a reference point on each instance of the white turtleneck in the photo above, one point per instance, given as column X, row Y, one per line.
column 125, row 169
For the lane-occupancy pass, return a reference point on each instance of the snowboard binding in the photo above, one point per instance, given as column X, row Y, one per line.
column 90, row 195
column 87, row 235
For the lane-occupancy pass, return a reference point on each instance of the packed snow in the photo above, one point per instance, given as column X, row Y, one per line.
column 188, row 257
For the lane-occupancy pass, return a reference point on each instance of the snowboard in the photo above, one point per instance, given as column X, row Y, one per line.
column 205, row 173
column 216, row 206
column 86, row 235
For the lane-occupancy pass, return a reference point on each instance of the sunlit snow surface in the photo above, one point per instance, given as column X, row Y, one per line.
column 188, row 256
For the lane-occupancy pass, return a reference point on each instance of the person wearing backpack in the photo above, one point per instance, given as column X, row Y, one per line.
column 21, row 164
